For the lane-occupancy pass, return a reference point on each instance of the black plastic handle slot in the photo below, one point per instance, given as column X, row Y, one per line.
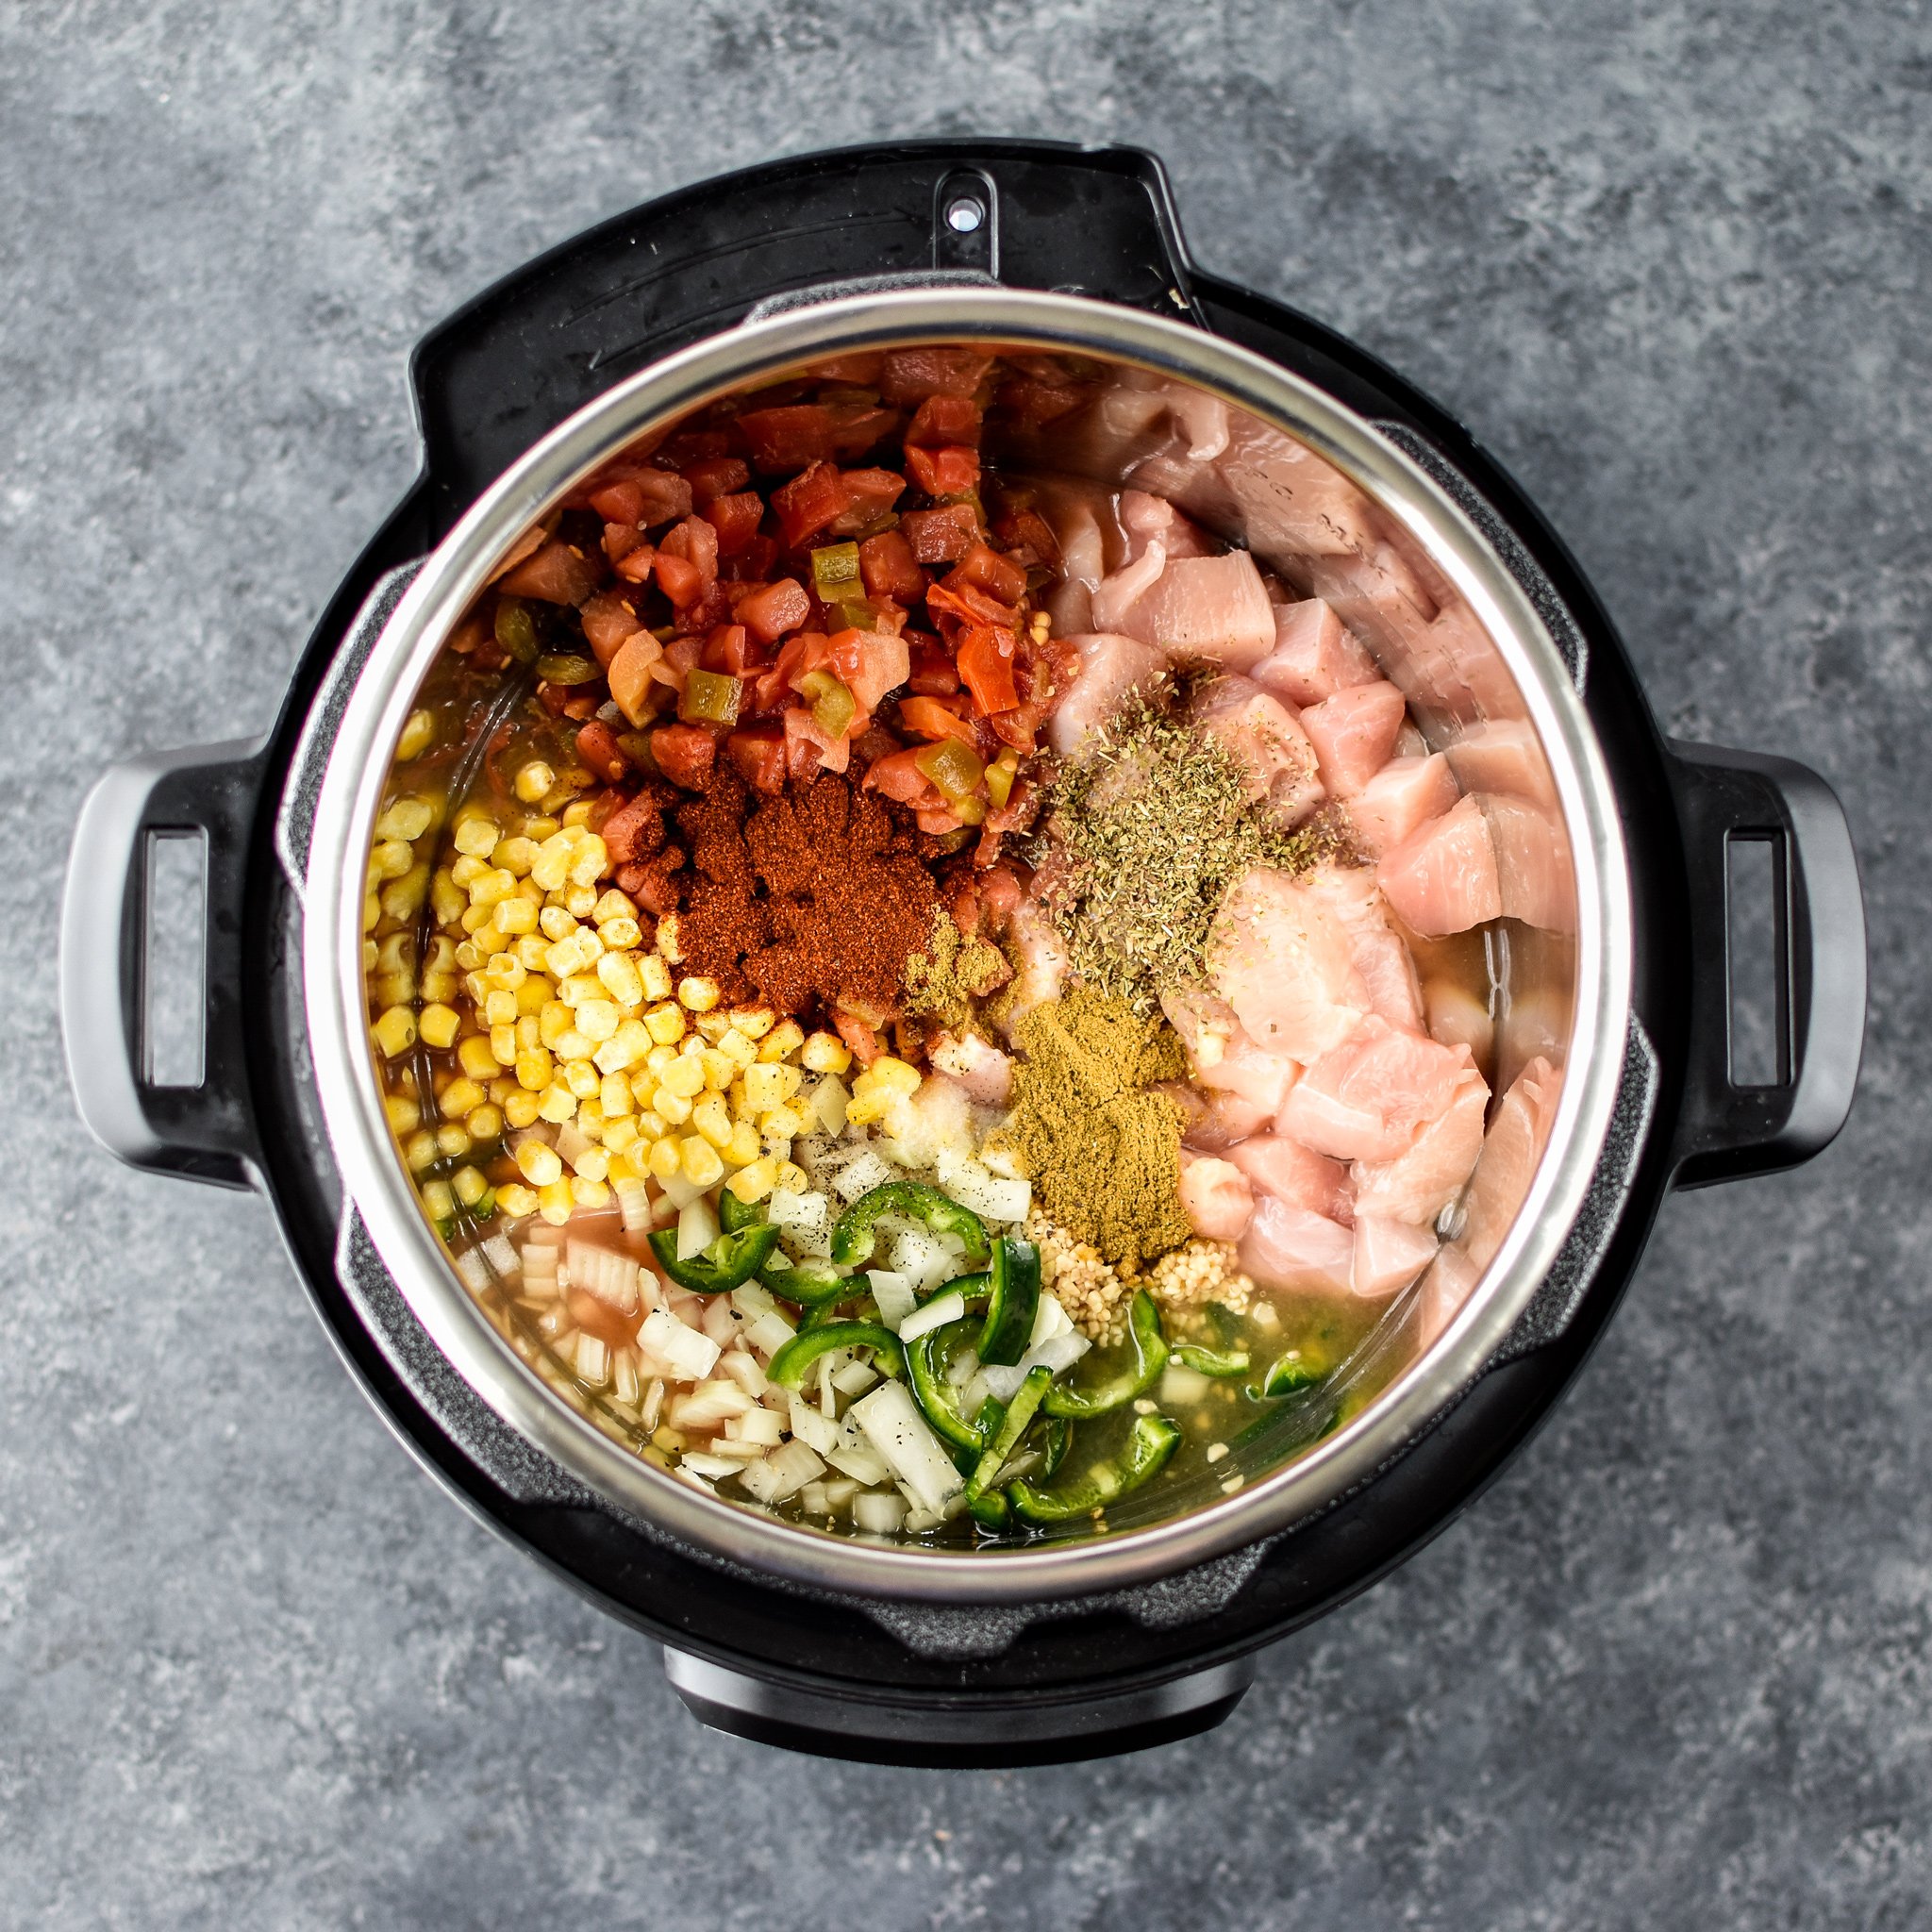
column 510, row 365
column 201, row 1131
column 1729, row 1126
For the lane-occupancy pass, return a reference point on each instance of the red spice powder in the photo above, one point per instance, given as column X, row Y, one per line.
column 815, row 898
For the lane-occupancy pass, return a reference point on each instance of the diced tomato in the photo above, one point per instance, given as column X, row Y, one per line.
column 809, row 502
column 940, row 420
column 969, row 605
column 696, row 541
column 1029, row 540
column 857, row 427
column 938, row 820
column 806, row 652
column 898, row 777
column 953, row 471
column 686, row 754
column 759, row 752
column 859, row 1034
column 620, row 539
column 630, row 674
column 680, row 580
column 635, row 493
column 728, row 648
column 930, row 718
column 984, row 569
column 736, row 518
column 909, row 375
column 713, row 477
column 608, row 621
column 634, row 828
column 874, row 493
column 932, row 674
column 676, row 663
column 809, row 749
column 634, row 566
column 1030, row 404
column 556, row 575
column 753, row 564
column 768, row 614
column 620, row 503
column 890, row 570
column 986, row 665
column 598, row 748
column 871, row 663
column 860, row 368
column 940, row 535
column 788, row 438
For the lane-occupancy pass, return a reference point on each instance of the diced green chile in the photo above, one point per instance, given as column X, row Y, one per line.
column 925, row 1360
column 1211, row 1362
column 1055, row 1432
column 1019, row 1412
column 1293, row 1372
column 1011, row 1302
column 788, row 1367
column 729, row 1263
column 1150, row 1442
column 566, row 667
column 734, row 1213
column 1150, row 1358
column 990, row 1511
column 855, row 1236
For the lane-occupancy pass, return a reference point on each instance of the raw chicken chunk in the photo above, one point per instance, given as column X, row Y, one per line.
column 1503, row 755
column 1291, row 1247
column 1388, row 1255
column 1041, row 961
column 1314, row 657
column 1222, row 1056
column 1216, row 1198
column 1154, row 518
column 1365, row 1099
column 1261, row 735
column 1118, row 593
column 1198, row 610
column 1296, row 1175
column 1283, row 961
column 1442, row 879
column 1445, row 1288
column 1212, row 1123
column 1112, row 669
column 1533, row 873
column 980, row 1068
column 1354, row 734
column 1379, row 953
column 1421, row 1180
column 1510, row 1151
column 1399, row 800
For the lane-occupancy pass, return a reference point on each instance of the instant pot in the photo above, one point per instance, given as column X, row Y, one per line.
column 1070, row 1648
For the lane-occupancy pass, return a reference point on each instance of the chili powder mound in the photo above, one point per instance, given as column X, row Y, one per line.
column 812, row 898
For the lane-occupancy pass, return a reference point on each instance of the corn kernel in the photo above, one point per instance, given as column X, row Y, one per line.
column 551, row 866
column 793, row 1177
column 503, row 1046
column 516, row 854
column 476, row 837
column 653, row 1126
column 665, row 1024
column 505, row 973
column 438, row 1202
column 621, row 1131
column 468, row 1185
column 475, row 918
column 489, row 942
column 593, row 1164
column 622, row 934
column 516, row 1199
column 534, row 781
column 402, row 897
column 436, row 1025
column 589, row 1118
column 538, row 1161
column 740, row 1051
column 719, row 1071
column 485, row 1123
column 582, row 1079
column 396, row 1032
column 621, row 979
column 670, row 1107
column 665, row 1158
column 554, row 1202
column 557, row 1104
column 614, row 1095
column 712, row 1119
column 744, row 1146
column 477, row 1057
column 446, row 897
column 419, row 734
column 589, row 863
column 713, row 1026
column 533, row 1069
column 612, row 904
column 458, row 1097
column 697, row 995
column 825, row 1053
column 684, row 1078
column 766, row 1087
column 598, row 1019
column 499, row 1008
column 452, row 1138
column 700, row 1161
column 530, row 949
column 557, row 923
column 514, row 916
column 782, row 1042
column 891, row 1076
column 656, row 976
column 585, row 1192
column 420, row 1150
column 405, row 1116
column 754, row 1182
column 781, row 1123
column 390, row 859
column 371, row 911
column 520, row 1108
column 872, row 1104
column 553, row 1019
column 534, row 994
column 625, row 1048
column 469, row 956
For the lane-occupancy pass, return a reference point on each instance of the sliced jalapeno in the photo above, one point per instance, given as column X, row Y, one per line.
column 1294, row 1372
column 729, row 1263
column 1012, row 1427
column 810, row 1284
column 855, row 1236
column 788, row 1367
column 1012, row 1299
column 925, row 1364
column 1150, row 1358
column 734, row 1213
column 990, row 1511
column 1150, row 1442
column 1211, row 1362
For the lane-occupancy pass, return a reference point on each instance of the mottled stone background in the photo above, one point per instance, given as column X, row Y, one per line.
column 1672, row 262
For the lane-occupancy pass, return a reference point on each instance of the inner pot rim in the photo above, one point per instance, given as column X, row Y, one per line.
column 377, row 1183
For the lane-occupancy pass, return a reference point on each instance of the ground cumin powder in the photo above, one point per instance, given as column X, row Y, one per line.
column 1102, row 1152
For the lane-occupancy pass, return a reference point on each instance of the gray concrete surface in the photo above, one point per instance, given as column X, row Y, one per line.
column 1672, row 260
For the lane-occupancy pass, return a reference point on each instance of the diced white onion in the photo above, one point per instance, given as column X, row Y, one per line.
column 604, row 1273
column 744, row 1369
column 1002, row 1383
column 474, row 1271
column 895, row 1295
column 854, row 1378
column 686, row 1353
column 813, row 1429
column 698, row 1463
column 864, row 1171
column 770, row 1333
column 679, row 1190
column 697, row 1227
column 1049, row 1318
column 501, row 1255
column 934, row 1314
column 878, row 1514
column 795, row 1465
column 765, row 1426
column 751, row 1301
column 895, row 1429
column 1181, row 1385
column 1057, row 1351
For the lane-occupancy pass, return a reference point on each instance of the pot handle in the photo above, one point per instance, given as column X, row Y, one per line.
column 1727, row 1128
column 205, row 1131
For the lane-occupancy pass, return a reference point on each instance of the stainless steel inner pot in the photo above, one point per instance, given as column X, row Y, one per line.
column 1263, row 458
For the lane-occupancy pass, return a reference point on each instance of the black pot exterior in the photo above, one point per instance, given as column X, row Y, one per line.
column 1089, row 1679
